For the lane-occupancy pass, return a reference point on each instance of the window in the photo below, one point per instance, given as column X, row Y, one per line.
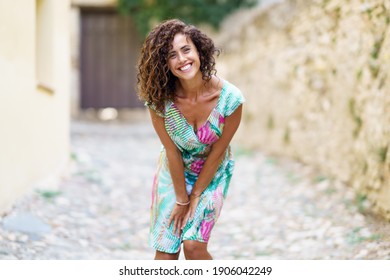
column 44, row 46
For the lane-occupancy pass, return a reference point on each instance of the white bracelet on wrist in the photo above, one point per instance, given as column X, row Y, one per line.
column 183, row 203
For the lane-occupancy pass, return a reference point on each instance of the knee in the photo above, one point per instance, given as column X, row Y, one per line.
column 194, row 250
column 165, row 256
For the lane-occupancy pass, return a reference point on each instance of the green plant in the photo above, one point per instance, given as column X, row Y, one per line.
column 74, row 157
column 375, row 52
column 293, row 178
column 248, row 116
column 356, row 118
column 241, row 151
column 272, row 161
column 145, row 12
column 48, row 194
column 382, row 154
column 270, row 122
column 320, row 178
column 359, row 74
column 286, row 136
column 361, row 200
column 356, row 237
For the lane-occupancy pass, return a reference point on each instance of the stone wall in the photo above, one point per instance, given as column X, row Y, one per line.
column 316, row 78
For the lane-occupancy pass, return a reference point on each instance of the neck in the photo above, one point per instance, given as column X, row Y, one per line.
column 192, row 88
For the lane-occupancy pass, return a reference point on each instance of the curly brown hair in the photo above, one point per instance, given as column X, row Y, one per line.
column 156, row 84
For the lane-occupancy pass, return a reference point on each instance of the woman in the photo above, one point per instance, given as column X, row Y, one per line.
column 195, row 115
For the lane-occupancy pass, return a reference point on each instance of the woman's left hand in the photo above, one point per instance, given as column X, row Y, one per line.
column 193, row 205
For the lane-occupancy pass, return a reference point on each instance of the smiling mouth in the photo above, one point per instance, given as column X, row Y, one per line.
column 185, row 67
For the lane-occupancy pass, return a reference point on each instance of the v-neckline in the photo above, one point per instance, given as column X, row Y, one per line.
column 209, row 116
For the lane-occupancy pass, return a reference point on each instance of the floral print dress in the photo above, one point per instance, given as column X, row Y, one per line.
column 194, row 147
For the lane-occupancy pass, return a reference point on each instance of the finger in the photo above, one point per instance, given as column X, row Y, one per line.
column 192, row 212
column 170, row 221
column 183, row 223
column 175, row 226
column 187, row 216
column 179, row 226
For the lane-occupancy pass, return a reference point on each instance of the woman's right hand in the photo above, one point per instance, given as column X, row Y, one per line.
column 178, row 217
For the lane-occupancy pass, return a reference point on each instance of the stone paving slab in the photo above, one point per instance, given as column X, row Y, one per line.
column 276, row 208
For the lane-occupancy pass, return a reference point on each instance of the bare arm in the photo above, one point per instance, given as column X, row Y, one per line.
column 176, row 168
column 217, row 152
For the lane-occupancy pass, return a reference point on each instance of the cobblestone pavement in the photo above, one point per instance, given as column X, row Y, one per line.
column 276, row 208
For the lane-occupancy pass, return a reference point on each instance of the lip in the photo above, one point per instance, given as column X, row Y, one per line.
column 185, row 65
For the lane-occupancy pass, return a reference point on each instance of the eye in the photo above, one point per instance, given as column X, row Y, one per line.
column 171, row 55
column 186, row 50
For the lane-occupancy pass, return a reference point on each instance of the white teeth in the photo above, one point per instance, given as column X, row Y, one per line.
column 184, row 68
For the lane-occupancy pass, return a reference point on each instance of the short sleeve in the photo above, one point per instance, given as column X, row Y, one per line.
column 234, row 98
column 153, row 107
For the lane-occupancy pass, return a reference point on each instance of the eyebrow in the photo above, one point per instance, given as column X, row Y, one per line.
column 172, row 51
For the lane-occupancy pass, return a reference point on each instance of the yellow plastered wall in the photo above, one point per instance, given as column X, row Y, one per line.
column 34, row 95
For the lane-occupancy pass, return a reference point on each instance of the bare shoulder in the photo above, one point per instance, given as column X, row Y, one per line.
column 213, row 88
column 217, row 84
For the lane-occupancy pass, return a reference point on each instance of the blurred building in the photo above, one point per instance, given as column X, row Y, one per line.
column 34, row 94
column 104, row 53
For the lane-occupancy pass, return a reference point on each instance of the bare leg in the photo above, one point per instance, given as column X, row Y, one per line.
column 165, row 256
column 195, row 250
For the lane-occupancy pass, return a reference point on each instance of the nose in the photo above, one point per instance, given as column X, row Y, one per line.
column 180, row 57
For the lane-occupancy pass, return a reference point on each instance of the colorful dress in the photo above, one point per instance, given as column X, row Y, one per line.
column 194, row 147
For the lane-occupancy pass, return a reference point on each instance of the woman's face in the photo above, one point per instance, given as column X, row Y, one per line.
column 183, row 58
